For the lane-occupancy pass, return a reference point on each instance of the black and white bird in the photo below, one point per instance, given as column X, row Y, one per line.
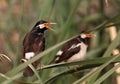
column 34, row 43
column 73, row 50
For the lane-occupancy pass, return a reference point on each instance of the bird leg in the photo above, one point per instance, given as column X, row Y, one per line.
column 41, row 66
column 76, row 67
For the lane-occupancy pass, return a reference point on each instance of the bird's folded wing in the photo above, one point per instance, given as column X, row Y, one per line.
column 67, row 54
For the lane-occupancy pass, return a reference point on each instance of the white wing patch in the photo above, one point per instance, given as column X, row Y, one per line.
column 57, row 58
column 78, row 44
column 74, row 46
column 28, row 55
column 59, row 52
column 58, row 55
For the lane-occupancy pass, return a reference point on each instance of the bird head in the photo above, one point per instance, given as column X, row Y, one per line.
column 85, row 37
column 42, row 25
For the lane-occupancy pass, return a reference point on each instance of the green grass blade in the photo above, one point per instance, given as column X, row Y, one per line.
column 84, row 62
column 87, row 64
column 36, row 73
column 95, row 71
column 22, row 66
column 45, row 8
column 4, row 76
column 106, row 75
column 113, row 45
column 12, row 78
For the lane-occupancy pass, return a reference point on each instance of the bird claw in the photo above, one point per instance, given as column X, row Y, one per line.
column 76, row 67
column 41, row 66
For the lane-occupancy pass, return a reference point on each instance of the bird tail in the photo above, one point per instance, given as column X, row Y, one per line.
column 28, row 72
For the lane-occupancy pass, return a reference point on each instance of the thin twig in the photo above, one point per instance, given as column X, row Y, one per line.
column 4, row 57
column 113, row 34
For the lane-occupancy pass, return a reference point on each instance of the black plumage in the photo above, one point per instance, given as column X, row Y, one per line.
column 33, row 44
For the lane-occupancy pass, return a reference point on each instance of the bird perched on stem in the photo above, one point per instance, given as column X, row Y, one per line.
column 34, row 43
column 73, row 50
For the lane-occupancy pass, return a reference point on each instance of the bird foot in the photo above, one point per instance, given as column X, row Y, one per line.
column 41, row 66
column 76, row 67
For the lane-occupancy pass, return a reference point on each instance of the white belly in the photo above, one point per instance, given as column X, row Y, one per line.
column 80, row 55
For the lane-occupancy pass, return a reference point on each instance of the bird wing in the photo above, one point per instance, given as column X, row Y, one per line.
column 33, row 43
column 68, row 50
column 67, row 54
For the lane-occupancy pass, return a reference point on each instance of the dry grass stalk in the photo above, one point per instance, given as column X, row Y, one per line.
column 113, row 34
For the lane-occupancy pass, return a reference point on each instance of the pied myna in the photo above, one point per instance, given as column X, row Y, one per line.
column 33, row 44
column 73, row 50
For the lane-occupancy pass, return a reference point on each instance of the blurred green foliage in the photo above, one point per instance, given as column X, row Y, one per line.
column 17, row 17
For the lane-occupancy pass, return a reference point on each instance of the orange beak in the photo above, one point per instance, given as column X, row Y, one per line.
column 48, row 25
column 89, row 35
